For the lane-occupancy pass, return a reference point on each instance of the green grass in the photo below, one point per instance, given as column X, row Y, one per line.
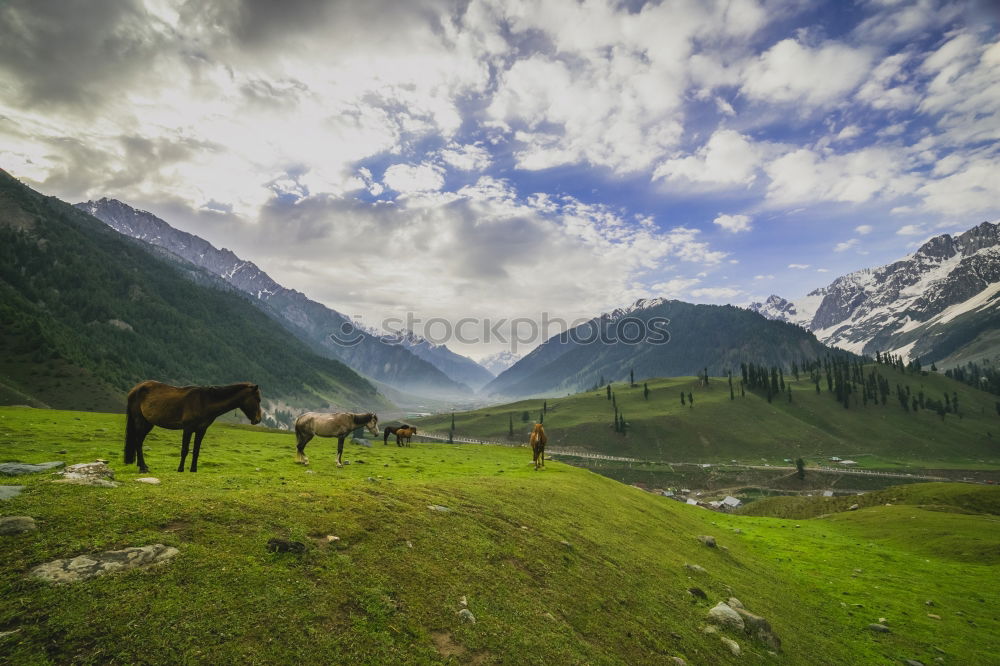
column 616, row 594
column 749, row 429
column 953, row 497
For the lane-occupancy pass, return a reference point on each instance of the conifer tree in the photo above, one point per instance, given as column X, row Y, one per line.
column 545, row 406
column 609, row 391
column 631, row 377
column 683, row 403
column 800, row 468
column 541, row 417
column 510, row 426
column 690, row 399
column 645, row 391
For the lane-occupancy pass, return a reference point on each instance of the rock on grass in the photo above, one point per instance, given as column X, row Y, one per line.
column 84, row 567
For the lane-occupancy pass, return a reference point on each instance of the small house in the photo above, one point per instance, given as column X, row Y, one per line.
column 827, row 493
column 692, row 502
column 848, row 462
column 731, row 502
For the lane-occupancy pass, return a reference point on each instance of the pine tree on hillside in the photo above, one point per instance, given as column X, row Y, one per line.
column 609, row 391
column 525, row 416
column 453, row 420
column 690, row 400
column 545, row 406
column 541, row 417
column 510, row 426
column 631, row 377
column 683, row 403
column 789, row 392
column 645, row 391
column 800, row 468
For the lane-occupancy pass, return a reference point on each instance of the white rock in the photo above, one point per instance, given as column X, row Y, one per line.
column 151, row 480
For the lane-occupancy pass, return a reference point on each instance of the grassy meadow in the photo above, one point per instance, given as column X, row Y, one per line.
column 559, row 566
column 751, row 430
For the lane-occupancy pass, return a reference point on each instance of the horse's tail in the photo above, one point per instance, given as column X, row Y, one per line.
column 385, row 434
column 131, row 427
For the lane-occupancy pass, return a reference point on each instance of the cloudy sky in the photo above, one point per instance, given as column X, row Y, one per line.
column 504, row 159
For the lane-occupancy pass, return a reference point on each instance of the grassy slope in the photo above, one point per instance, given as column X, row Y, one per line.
column 748, row 429
column 616, row 594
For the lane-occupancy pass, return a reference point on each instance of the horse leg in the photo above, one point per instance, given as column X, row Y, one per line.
column 185, row 441
column 340, row 450
column 302, row 438
column 142, row 429
column 197, row 448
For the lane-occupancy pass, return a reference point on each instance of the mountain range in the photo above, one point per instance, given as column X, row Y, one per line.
column 85, row 313
column 940, row 304
column 406, row 362
column 500, row 361
column 607, row 348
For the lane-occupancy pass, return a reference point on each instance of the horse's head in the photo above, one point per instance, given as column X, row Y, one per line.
column 538, row 428
column 250, row 405
column 372, row 425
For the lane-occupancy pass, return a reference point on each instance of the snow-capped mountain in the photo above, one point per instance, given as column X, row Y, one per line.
column 460, row 368
column 497, row 363
column 931, row 303
column 394, row 364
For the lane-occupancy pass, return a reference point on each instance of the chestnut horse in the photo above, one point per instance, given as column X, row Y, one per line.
column 404, row 434
column 538, row 441
column 188, row 408
column 330, row 425
column 391, row 430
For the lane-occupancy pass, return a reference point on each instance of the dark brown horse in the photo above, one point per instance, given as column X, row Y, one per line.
column 391, row 430
column 188, row 408
column 404, row 435
column 538, row 441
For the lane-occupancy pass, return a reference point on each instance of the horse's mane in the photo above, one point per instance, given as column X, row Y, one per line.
column 226, row 390
column 361, row 419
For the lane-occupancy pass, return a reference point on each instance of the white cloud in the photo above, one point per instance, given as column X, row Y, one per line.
column 728, row 158
column 798, row 266
column 822, row 270
column 911, row 230
column 468, row 157
column 733, row 223
column 792, row 72
column 763, row 277
column 848, row 132
column 804, row 175
column 864, row 229
column 406, row 178
column 717, row 293
column 846, row 245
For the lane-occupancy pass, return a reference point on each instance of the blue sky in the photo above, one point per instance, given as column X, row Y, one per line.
column 504, row 159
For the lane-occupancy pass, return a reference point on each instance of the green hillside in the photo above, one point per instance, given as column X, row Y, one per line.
column 749, row 429
column 86, row 313
column 558, row 566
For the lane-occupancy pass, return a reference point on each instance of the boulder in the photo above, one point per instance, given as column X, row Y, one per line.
column 707, row 540
column 853, row 507
column 89, row 474
column 880, row 628
column 695, row 568
column 676, row 661
column 17, row 469
column 722, row 615
column 733, row 646
column 467, row 616
column 84, row 567
column 8, row 492
column 735, row 603
column 17, row 524
column 759, row 629
column 153, row 481
column 697, row 592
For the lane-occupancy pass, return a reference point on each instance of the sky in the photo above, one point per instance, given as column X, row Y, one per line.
column 498, row 160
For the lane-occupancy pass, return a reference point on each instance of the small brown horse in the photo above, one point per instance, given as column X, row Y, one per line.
column 404, row 435
column 188, row 408
column 338, row 425
column 391, row 430
column 538, row 441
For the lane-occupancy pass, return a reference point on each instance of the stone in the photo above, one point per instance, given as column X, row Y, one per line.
column 880, row 628
column 285, row 546
column 18, row 469
column 759, row 628
column 363, row 442
column 467, row 616
column 853, row 507
column 151, row 480
column 8, row 492
column 676, row 661
column 737, row 530
column 84, row 567
column 331, row 537
column 89, row 474
column 62, row 453
column 439, row 508
column 934, row 616
column 463, row 602
column 695, row 568
column 17, row 524
column 735, row 603
column 566, row 543
column 707, row 540
column 725, row 616
column 709, row 630
column 913, row 662
column 928, row 603
column 697, row 592
column 733, row 646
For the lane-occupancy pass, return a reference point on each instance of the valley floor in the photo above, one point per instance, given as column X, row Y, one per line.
column 556, row 566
